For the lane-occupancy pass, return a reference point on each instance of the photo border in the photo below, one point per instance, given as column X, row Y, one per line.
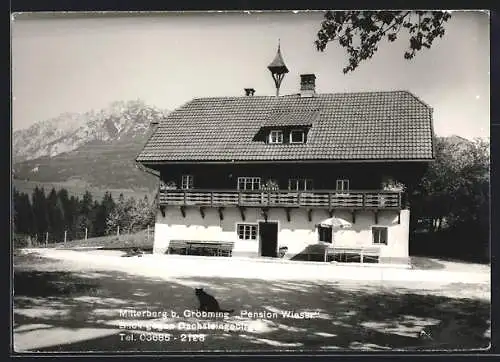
column 147, row 5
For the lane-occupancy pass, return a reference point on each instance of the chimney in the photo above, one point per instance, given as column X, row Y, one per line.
column 249, row 91
column 307, row 85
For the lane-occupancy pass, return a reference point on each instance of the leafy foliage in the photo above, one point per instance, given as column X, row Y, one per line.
column 453, row 196
column 360, row 32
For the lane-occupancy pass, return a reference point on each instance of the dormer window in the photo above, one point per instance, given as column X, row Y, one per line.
column 276, row 136
column 297, row 136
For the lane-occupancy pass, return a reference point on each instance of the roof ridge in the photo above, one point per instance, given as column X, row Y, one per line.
column 317, row 94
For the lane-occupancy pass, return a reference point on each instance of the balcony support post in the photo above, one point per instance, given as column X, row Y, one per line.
column 376, row 216
column 309, row 214
column 183, row 211
column 353, row 214
column 399, row 216
column 221, row 214
column 162, row 210
column 287, row 210
column 202, row 212
column 242, row 212
column 331, row 211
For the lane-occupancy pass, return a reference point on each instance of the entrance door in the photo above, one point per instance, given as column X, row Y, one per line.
column 268, row 234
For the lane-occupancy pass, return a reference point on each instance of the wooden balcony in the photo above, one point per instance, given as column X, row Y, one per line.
column 327, row 199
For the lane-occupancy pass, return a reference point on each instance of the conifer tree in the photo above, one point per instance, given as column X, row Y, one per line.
column 40, row 213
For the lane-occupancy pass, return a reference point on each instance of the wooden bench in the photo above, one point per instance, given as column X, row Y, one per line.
column 214, row 248
column 226, row 249
column 179, row 245
column 363, row 253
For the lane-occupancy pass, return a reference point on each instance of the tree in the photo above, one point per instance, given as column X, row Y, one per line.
column 64, row 205
column 39, row 203
column 105, row 208
column 142, row 214
column 94, row 214
column 454, row 194
column 150, row 212
column 83, row 219
column 118, row 217
column 360, row 32
column 16, row 203
column 55, row 215
column 71, row 214
column 130, row 215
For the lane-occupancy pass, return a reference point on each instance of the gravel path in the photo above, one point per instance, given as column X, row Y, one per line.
column 165, row 266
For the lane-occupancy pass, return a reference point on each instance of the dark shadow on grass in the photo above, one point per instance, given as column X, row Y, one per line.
column 310, row 253
column 349, row 316
column 424, row 263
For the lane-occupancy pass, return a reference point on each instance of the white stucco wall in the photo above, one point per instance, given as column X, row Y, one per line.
column 297, row 234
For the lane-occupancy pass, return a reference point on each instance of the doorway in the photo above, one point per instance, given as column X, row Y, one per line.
column 268, row 235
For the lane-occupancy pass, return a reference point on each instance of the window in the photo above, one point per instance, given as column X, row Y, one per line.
column 342, row 185
column 297, row 136
column 325, row 234
column 246, row 231
column 248, row 183
column 379, row 234
column 299, row 184
column 276, row 136
column 187, row 182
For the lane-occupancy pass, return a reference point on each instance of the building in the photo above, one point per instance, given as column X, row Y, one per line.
column 260, row 173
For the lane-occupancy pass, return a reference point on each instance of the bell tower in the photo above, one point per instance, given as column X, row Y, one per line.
column 278, row 69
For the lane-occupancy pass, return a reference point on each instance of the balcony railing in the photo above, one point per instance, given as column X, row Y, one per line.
column 330, row 199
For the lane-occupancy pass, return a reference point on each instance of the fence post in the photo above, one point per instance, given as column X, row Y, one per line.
column 65, row 236
column 148, row 233
column 47, row 239
column 86, row 234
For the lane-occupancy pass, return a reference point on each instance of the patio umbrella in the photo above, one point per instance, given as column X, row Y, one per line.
column 334, row 223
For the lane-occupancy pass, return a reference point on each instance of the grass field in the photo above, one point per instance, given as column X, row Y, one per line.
column 142, row 239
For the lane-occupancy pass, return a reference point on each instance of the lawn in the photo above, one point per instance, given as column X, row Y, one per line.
column 142, row 239
column 68, row 305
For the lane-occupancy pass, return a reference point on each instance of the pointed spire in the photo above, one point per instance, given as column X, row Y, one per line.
column 278, row 68
column 278, row 64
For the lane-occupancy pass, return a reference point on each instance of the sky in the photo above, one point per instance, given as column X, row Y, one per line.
column 76, row 64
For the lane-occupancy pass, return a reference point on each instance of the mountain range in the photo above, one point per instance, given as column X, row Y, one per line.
column 93, row 150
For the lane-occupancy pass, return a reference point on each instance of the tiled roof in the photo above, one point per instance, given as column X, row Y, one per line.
column 392, row 125
column 295, row 118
